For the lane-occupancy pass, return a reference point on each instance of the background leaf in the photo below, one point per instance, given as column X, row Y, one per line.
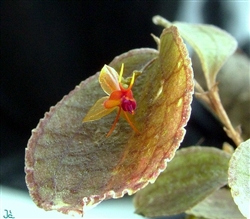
column 239, row 177
column 193, row 174
column 70, row 165
column 235, row 99
column 218, row 205
column 212, row 44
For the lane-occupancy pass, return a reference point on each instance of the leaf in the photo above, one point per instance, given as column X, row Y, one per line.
column 239, row 177
column 193, row 174
column 212, row 44
column 235, row 99
column 70, row 165
column 218, row 205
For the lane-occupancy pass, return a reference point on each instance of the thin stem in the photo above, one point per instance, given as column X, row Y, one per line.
column 198, row 87
column 219, row 110
column 201, row 94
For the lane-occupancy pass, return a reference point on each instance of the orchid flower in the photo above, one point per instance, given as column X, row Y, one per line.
column 119, row 97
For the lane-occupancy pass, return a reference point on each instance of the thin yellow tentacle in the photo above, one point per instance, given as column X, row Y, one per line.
column 121, row 72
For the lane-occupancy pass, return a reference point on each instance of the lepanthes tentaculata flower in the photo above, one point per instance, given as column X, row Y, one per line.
column 120, row 97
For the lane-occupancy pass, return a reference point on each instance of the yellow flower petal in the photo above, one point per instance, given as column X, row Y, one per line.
column 97, row 111
column 108, row 79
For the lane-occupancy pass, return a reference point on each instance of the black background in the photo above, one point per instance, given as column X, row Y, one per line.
column 48, row 47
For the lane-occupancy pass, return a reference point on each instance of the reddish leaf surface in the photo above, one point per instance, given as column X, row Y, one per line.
column 70, row 165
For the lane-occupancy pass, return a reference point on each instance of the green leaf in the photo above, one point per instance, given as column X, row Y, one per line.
column 192, row 175
column 71, row 165
column 212, row 44
column 239, row 177
column 218, row 205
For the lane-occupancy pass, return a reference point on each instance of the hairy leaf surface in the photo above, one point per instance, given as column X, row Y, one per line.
column 71, row 165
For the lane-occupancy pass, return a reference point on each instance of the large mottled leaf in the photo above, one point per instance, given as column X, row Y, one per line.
column 218, row 205
column 239, row 177
column 212, row 44
column 192, row 175
column 70, row 165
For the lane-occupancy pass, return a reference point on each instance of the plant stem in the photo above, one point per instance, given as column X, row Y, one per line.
column 219, row 110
